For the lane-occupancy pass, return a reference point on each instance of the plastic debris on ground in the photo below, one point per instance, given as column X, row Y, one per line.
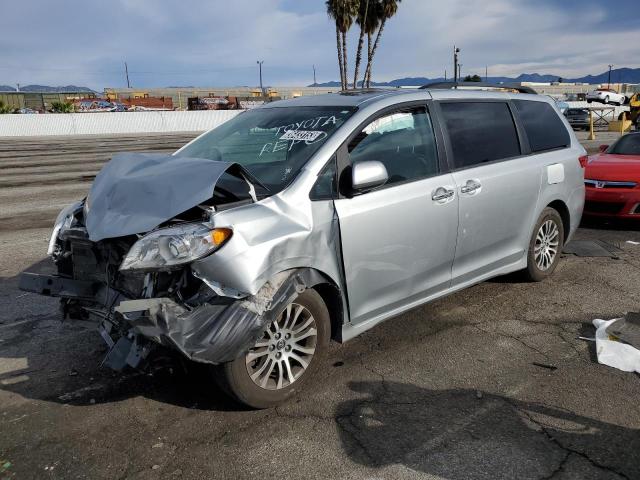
column 615, row 340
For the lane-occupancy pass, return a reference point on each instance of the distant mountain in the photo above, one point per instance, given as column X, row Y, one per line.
column 48, row 89
column 7, row 88
column 619, row 75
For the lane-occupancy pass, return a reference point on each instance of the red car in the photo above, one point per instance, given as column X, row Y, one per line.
column 612, row 179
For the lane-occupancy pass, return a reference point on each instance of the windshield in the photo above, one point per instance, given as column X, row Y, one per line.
column 273, row 144
column 627, row 145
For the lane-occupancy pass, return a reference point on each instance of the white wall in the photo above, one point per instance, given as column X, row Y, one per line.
column 112, row 122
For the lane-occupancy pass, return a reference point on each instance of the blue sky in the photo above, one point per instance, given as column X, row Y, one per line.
column 217, row 42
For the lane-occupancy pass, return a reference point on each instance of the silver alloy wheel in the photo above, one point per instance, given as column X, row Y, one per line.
column 546, row 246
column 285, row 351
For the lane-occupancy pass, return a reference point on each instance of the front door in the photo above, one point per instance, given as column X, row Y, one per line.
column 398, row 241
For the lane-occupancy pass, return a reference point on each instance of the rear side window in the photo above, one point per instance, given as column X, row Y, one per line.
column 480, row 132
column 543, row 125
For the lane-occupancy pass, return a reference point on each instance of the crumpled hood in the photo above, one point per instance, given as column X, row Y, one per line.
column 136, row 192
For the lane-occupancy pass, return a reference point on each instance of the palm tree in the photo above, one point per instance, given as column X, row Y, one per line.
column 372, row 24
column 363, row 13
column 343, row 12
column 388, row 9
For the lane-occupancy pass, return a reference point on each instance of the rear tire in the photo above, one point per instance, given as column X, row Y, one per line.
column 545, row 246
column 267, row 375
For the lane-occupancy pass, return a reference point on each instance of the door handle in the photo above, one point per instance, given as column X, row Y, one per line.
column 471, row 186
column 441, row 194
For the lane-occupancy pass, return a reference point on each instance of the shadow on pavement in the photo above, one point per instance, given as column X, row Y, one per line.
column 603, row 223
column 469, row 435
column 43, row 358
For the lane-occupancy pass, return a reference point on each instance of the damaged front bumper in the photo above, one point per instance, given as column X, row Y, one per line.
column 217, row 331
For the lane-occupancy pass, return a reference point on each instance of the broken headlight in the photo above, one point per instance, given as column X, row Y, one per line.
column 64, row 221
column 174, row 246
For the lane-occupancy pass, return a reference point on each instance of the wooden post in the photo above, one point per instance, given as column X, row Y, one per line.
column 592, row 133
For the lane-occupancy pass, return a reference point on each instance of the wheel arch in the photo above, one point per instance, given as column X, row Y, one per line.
column 331, row 293
column 561, row 207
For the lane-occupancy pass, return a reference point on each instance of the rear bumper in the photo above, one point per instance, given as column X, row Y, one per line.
column 612, row 202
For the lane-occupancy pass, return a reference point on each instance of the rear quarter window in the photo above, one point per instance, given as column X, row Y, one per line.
column 543, row 126
column 480, row 132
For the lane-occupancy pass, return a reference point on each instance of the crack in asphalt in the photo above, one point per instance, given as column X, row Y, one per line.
column 544, row 431
column 513, row 337
column 559, row 468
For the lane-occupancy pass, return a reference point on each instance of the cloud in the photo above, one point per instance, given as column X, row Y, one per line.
column 217, row 42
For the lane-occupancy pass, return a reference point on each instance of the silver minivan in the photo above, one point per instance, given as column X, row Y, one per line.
column 313, row 219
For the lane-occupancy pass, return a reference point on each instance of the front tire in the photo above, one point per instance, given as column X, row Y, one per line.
column 281, row 361
column 545, row 246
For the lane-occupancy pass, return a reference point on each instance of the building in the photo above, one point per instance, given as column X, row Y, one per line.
column 181, row 95
column 41, row 101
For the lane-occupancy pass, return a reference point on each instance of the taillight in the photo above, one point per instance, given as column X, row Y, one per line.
column 583, row 161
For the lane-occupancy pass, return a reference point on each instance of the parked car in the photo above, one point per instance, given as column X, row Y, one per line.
column 578, row 118
column 310, row 219
column 606, row 96
column 612, row 178
column 562, row 106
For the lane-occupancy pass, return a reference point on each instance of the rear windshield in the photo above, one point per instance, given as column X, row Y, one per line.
column 627, row 145
column 577, row 111
column 273, row 144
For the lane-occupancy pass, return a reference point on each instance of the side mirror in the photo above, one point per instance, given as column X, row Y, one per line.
column 603, row 148
column 370, row 174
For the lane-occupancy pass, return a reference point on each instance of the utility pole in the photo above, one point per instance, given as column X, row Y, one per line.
column 126, row 72
column 260, row 62
column 456, row 51
column 314, row 76
column 609, row 83
column 486, row 73
column 445, row 74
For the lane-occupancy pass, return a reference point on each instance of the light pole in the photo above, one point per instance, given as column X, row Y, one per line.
column 609, row 82
column 456, row 51
column 260, row 62
column 314, row 76
column 126, row 74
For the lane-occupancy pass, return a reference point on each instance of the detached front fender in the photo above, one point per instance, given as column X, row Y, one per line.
column 217, row 333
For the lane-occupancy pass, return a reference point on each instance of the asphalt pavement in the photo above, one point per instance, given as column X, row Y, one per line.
column 489, row 383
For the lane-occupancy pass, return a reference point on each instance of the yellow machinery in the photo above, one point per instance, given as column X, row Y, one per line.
column 634, row 106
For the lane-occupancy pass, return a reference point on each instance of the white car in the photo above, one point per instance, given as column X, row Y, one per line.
column 606, row 96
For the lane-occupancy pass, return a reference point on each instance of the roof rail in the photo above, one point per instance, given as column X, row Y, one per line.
column 455, row 85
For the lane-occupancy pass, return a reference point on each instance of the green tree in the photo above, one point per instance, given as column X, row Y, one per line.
column 4, row 108
column 385, row 10
column 62, row 107
column 474, row 78
column 343, row 13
